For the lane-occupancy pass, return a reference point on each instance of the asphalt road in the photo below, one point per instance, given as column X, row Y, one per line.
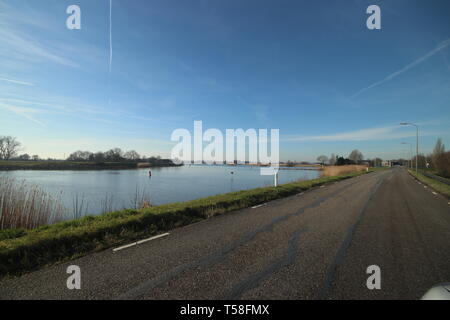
column 315, row 245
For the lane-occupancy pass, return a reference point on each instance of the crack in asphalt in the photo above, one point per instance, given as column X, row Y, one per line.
column 254, row 280
column 220, row 255
column 340, row 255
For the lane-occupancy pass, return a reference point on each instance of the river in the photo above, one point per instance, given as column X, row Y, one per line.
column 95, row 192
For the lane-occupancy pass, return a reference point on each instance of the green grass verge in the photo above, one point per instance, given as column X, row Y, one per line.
column 26, row 250
column 436, row 185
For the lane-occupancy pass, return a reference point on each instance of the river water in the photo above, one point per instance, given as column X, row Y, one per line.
column 95, row 192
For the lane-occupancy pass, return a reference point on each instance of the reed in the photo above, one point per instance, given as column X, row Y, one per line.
column 27, row 206
column 332, row 171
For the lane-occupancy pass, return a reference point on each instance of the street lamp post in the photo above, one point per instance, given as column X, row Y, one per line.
column 410, row 153
column 417, row 139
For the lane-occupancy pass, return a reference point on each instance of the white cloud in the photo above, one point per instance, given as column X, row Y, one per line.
column 380, row 133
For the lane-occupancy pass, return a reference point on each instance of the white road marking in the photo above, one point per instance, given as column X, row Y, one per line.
column 153, row 238
column 260, row 205
column 425, row 187
column 300, row 194
column 140, row 242
column 322, row 186
column 434, row 193
column 125, row 247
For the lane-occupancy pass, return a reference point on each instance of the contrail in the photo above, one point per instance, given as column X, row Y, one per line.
column 110, row 36
column 441, row 46
column 110, row 52
column 17, row 82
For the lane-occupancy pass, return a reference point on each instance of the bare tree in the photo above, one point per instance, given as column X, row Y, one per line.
column 24, row 157
column 441, row 159
column 80, row 156
column 131, row 155
column 438, row 153
column 377, row 162
column 99, row 156
column 9, row 146
column 356, row 156
column 439, row 148
column 332, row 160
column 322, row 159
column 115, row 154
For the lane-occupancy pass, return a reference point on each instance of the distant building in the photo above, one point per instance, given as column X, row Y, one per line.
column 386, row 163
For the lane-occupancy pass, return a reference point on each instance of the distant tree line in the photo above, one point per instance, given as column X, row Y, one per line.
column 10, row 147
column 113, row 155
column 438, row 161
column 355, row 157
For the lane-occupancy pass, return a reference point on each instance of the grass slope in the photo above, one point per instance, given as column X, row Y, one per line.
column 436, row 185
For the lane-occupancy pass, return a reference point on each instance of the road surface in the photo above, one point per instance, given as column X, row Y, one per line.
column 315, row 245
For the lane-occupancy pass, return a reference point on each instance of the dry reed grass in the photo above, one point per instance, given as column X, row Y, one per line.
column 332, row 171
column 27, row 206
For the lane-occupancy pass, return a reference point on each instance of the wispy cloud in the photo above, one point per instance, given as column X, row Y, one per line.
column 440, row 47
column 23, row 111
column 27, row 108
column 17, row 82
column 379, row 133
column 19, row 42
column 19, row 46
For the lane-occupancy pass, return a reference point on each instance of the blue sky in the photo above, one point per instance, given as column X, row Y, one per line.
column 309, row 68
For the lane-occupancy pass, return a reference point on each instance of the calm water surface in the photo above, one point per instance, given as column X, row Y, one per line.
column 105, row 190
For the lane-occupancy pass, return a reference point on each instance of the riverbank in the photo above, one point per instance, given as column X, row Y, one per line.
column 26, row 250
column 81, row 165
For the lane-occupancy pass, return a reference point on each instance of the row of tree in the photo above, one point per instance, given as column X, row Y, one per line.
column 10, row 147
column 354, row 157
column 439, row 160
column 113, row 155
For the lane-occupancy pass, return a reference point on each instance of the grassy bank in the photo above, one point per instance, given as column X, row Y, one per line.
column 74, row 165
column 436, row 185
column 22, row 250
